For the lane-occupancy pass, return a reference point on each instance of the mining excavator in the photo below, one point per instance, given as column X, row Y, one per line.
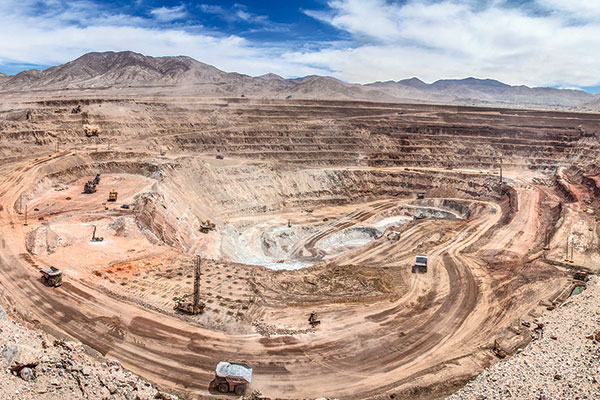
column 313, row 319
column 97, row 179
column 196, row 306
column 52, row 276
column 89, row 187
column 498, row 350
column 207, row 226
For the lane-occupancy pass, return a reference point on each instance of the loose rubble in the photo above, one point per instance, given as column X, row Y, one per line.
column 35, row 365
column 268, row 330
column 561, row 363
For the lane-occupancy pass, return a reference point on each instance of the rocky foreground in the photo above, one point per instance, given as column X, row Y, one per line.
column 563, row 362
column 34, row 365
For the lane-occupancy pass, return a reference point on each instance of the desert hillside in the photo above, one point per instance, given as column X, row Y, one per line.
column 131, row 74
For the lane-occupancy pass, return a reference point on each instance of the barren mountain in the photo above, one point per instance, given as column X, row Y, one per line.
column 181, row 75
column 116, row 69
column 483, row 91
column 593, row 105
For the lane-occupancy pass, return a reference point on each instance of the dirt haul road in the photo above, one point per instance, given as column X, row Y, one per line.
column 438, row 328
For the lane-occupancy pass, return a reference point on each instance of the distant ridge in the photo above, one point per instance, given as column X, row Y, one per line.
column 128, row 71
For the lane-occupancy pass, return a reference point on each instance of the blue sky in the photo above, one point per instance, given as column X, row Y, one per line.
column 531, row 42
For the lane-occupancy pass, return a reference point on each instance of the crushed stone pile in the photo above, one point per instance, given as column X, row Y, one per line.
column 34, row 365
column 564, row 363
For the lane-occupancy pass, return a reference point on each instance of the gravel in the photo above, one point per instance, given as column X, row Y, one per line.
column 563, row 364
column 57, row 369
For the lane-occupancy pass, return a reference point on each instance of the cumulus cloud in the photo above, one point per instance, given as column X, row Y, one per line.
column 538, row 43
column 167, row 14
column 40, row 34
column 458, row 38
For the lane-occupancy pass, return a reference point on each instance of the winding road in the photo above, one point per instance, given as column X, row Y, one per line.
column 430, row 332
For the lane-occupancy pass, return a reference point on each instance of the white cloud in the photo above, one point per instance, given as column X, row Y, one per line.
column 431, row 39
column 238, row 13
column 580, row 9
column 167, row 14
column 459, row 38
column 41, row 38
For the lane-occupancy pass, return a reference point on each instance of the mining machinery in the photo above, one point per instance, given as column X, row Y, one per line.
column 96, row 238
column 196, row 306
column 207, row 226
column 52, row 276
column 89, row 187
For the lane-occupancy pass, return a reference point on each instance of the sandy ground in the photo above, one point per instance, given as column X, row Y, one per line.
column 384, row 330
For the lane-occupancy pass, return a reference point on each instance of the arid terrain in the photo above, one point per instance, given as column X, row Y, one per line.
column 315, row 209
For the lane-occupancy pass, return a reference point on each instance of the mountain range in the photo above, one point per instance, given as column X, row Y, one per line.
column 133, row 73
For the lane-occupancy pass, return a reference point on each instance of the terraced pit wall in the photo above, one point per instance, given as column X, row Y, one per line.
column 312, row 133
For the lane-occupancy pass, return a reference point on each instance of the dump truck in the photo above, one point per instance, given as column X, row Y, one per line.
column 420, row 195
column 52, row 276
column 420, row 265
column 207, row 226
column 112, row 196
column 232, row 377
column 89, row 187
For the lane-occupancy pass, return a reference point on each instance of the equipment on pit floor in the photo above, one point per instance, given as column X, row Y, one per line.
column 498, row 350
column 420, row 216
column 567, row 259
column 96, row 238
column 420, row 265
column 547, row 241
column 112, row 196
column 196, row 306
column 125, row 206
column 97, row 179
column 207, row 226
column 220, row 156
column 89, row 187
column 580, row 276
column 232, row 377
column 52, row 276
column 313, row 319
column 420, row 195
column 393, row 236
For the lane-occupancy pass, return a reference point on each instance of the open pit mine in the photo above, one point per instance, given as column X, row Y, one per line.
column 341, row 249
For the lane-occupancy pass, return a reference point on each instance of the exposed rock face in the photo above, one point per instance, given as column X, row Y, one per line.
column 42, row 241
column 153, row 221
column 61, row 370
